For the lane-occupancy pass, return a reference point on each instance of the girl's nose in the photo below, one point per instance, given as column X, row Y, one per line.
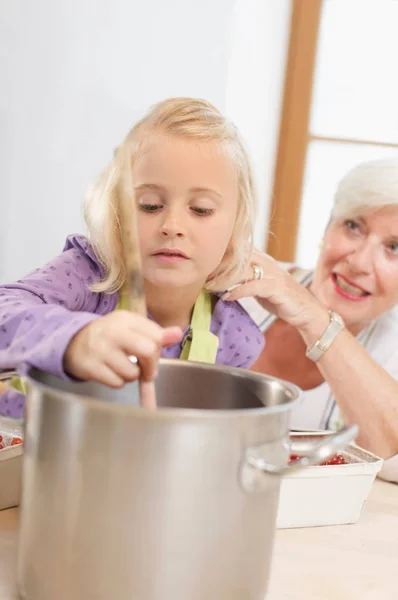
column 172, row 225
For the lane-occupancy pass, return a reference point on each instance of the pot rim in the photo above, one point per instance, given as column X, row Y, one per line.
column 164, row 412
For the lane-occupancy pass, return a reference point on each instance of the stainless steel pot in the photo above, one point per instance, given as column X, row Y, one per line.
column 173, row 504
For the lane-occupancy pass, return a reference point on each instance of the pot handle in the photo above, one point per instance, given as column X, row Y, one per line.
column 252, row 466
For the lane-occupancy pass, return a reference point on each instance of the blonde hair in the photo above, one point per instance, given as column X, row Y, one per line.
column 190, row 118
column 371, row 184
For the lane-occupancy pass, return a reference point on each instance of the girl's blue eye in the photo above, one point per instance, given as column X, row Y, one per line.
column 149, row 208
column 202, row 212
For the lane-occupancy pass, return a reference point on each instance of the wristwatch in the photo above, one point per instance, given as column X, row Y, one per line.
column 325, row 341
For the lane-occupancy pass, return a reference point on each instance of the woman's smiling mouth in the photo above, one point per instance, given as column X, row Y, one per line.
column 347, row 289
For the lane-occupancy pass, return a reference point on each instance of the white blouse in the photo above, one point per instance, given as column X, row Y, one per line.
column 318, row 409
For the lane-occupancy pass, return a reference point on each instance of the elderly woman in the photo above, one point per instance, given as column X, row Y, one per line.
column 334, row 331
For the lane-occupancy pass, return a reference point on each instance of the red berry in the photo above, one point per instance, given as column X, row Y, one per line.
column 16, row 441
column 293, row 458
column 337, row 459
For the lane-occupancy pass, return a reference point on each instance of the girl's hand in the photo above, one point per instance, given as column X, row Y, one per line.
column 278, row 292
column 101, row 350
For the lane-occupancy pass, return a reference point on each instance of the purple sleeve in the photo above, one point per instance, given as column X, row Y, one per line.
column 41, row 313
column 240, row 340
column 250, row 347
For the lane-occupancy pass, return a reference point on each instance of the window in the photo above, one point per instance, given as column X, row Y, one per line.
column 353, row 115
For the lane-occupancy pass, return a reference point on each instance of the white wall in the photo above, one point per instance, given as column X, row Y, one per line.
column 77, row 73
column 260, row 36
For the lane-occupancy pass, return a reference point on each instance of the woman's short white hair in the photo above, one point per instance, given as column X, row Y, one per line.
column 193, row 119
column 369, row 185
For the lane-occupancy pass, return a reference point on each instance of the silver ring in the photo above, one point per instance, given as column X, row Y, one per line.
column 258, row 271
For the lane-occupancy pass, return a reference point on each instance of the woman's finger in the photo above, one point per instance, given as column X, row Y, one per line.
column 263, row 288
column 264, row 261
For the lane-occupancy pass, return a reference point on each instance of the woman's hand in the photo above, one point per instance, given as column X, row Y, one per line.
column 278, row 292
column 101, row 350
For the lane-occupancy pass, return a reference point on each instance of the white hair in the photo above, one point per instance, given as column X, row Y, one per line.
column 371, row 184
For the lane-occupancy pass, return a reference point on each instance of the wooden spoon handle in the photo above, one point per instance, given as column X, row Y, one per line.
column 129, row 234
column 132, row 257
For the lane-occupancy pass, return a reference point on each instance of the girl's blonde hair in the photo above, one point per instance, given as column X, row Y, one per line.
column 190, row 118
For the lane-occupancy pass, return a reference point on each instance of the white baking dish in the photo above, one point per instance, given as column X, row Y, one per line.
column 326, row 495
column 10, row 463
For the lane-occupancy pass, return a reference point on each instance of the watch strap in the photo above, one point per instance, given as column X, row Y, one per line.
column 336, row 325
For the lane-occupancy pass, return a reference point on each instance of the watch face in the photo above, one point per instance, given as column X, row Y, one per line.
column 337, row 319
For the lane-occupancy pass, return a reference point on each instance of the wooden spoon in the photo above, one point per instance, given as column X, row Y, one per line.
column 132, row 257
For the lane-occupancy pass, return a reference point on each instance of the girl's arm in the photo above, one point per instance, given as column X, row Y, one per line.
column 41, row 313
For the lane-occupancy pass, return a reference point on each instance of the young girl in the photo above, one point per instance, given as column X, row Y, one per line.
column 196, row 205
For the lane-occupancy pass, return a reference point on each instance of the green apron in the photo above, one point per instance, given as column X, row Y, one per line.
column 199, row 344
